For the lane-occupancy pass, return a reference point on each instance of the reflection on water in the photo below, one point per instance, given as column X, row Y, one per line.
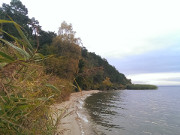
column 135, row 112
column 102, row 106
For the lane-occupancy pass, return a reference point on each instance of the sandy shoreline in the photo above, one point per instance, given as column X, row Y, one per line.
column 69, row 117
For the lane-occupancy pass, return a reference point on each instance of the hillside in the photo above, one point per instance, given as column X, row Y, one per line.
column 39, row 68
column 99, row 74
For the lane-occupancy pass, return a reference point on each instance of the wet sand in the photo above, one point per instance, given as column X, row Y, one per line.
column 69, row 117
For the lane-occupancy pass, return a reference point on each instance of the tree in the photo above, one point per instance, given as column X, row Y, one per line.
column 63, row 67
column 18, row 13
column 68, row 53
column 45, row 38
column 66, row 44
column 107, row 83
column 42, row 37
column 67, row 34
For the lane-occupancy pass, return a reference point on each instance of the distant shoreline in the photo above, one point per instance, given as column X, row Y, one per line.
column 141, row 87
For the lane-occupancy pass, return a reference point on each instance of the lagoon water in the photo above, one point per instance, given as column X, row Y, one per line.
column 135, row 112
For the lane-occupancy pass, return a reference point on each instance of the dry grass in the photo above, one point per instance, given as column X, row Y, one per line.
column 26, row 94
column 26, row 91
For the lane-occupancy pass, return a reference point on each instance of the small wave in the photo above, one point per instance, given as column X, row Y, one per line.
column 154, row 123
column 81, row 102
column 145, row 132
column 83, row 117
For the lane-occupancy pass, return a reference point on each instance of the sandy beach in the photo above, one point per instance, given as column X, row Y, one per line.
column 69, row 117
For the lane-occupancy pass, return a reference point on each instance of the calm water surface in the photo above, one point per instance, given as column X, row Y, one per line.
column 136, row 112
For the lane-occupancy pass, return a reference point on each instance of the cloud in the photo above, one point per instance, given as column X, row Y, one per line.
column 156, row 78
column 163, row 60
column 176, row 79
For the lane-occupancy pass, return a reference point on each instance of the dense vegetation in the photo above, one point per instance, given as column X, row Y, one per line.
column 26, row 91
column 141, row 87
column 39, row 68
column 98, row 73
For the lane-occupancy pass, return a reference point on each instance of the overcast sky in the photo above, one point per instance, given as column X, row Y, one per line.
column 141, row 38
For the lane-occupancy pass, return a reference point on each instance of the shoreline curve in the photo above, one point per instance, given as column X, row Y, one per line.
column 68, row 116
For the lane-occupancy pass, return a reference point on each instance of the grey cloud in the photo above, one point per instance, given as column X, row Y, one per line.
column 165, row 60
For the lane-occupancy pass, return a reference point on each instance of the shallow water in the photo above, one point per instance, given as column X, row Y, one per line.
column 136, row 112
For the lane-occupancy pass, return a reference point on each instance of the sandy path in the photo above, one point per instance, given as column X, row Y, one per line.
column 71, row 121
